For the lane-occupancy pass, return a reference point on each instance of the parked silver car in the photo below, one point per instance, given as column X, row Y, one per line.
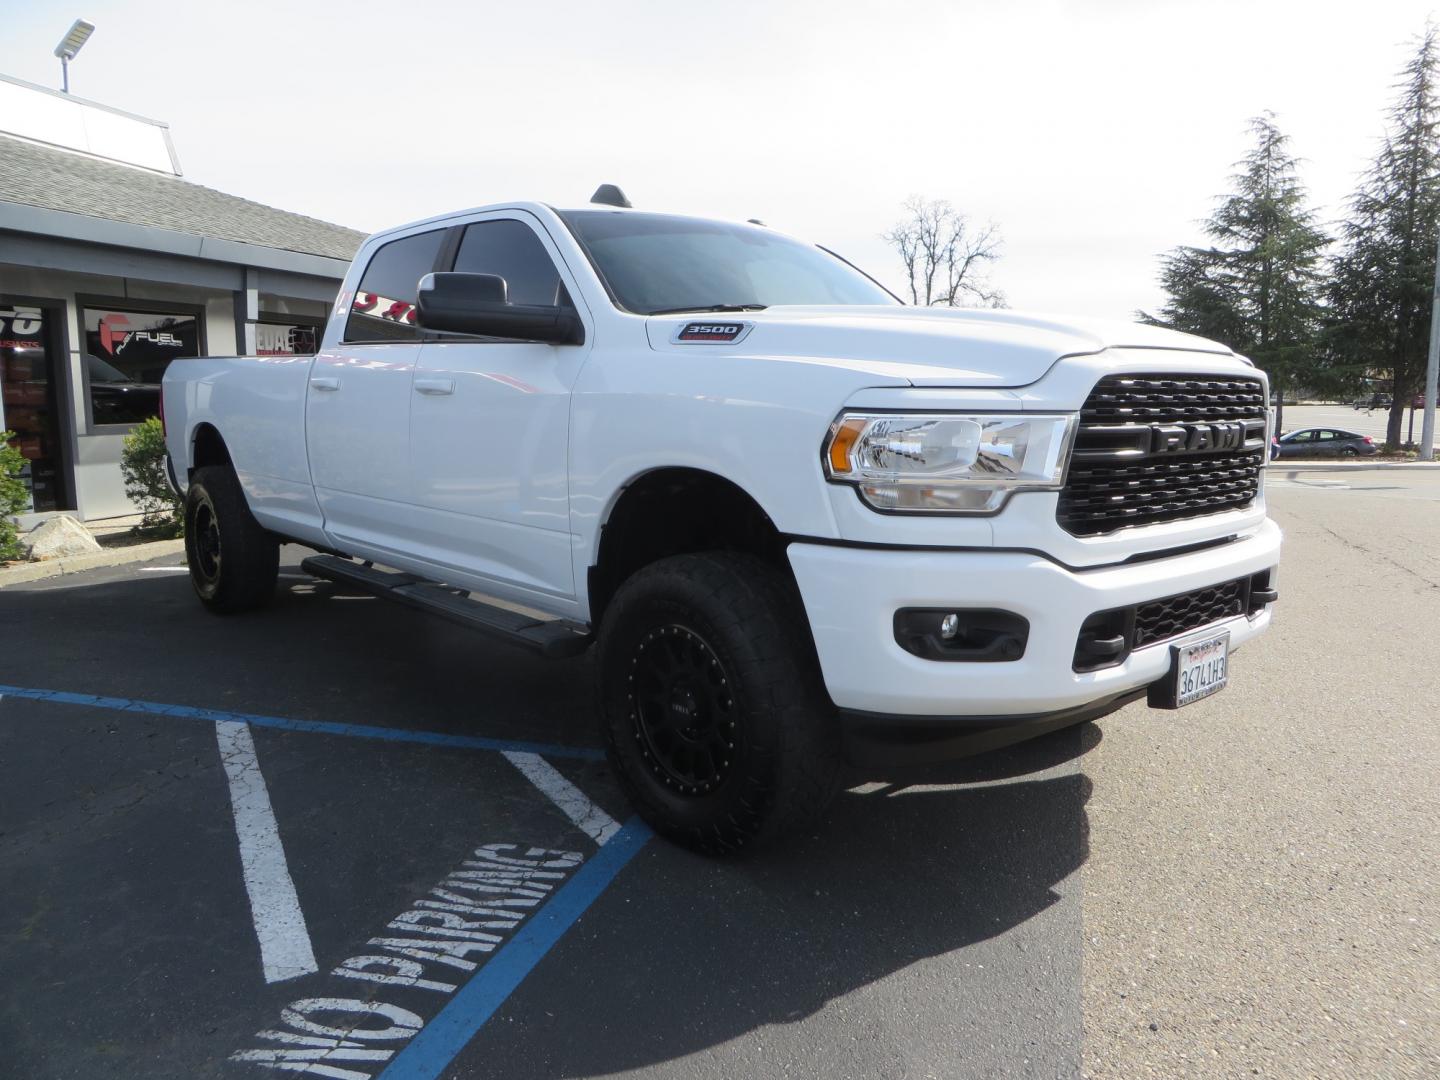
column 1325, row 442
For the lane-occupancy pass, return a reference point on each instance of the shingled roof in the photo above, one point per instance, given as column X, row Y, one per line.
column 43, row 176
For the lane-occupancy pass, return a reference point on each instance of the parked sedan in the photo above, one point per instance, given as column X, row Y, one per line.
column 1325, row 442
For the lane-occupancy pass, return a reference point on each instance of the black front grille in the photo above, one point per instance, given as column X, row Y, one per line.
column 1174, row 615
column 1156, row 448
column 1107, row 638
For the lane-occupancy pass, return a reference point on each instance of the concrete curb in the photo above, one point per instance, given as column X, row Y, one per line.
column 37, row 571
column 1281, row 465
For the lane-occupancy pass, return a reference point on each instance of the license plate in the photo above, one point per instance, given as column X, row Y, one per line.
column 1197, row 670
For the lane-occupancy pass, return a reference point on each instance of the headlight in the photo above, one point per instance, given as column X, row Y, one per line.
column 947, row 462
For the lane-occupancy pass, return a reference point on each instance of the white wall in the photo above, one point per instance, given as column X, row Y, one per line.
column 281, row 305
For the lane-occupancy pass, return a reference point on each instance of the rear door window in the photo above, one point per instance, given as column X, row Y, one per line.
column 383, row 309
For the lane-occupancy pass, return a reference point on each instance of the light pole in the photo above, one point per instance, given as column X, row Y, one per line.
column 70, row 44
column 1432, row 370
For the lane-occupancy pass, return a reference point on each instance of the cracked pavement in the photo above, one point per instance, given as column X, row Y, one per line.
column 1260, row 895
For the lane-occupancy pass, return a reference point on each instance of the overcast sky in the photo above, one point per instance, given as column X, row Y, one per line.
column 1096, row 134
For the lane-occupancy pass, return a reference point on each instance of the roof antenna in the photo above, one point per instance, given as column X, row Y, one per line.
column 756, row 221
column 609, row 195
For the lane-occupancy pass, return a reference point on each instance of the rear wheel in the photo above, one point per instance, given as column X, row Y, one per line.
column 712, row 706
column 1349, row 451
column 234, row 563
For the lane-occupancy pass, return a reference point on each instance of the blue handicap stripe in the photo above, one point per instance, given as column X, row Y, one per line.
column 431, row 1051
column 322, row 727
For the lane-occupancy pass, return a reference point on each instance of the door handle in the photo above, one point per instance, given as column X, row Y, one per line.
column 325, row 382
column 434, row 387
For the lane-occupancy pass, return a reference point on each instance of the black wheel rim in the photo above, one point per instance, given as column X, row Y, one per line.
column 206, row 532
column 683, row 710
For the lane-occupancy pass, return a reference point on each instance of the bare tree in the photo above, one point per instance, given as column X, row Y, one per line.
column 945, row 256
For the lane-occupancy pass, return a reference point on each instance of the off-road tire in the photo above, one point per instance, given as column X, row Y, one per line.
column 234, row 563
column 725, row 627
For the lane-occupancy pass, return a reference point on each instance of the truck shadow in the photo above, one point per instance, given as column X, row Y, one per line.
column 899, row 876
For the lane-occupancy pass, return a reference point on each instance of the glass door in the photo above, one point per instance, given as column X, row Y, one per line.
column 29, row 358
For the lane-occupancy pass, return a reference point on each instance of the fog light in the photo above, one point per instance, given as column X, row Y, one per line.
column 967, row 635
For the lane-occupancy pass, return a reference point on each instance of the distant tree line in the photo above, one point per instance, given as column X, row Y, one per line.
column 1327, row 312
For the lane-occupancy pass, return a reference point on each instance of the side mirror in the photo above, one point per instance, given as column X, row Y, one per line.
column 477, row 304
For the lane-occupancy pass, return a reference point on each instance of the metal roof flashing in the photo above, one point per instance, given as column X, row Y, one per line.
column 42, row 115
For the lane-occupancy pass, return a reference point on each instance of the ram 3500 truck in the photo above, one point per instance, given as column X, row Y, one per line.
column 800, row 521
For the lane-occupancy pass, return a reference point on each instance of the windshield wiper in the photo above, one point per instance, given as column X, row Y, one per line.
column 712, row 307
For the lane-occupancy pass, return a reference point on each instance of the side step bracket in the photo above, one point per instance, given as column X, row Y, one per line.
column 549, row 637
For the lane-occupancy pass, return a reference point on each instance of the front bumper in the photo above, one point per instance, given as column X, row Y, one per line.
column 851, row 595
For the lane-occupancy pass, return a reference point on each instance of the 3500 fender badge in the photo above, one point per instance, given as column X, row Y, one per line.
column 712, row 333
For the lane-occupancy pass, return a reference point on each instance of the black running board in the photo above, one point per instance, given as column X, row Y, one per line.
column 553, row 638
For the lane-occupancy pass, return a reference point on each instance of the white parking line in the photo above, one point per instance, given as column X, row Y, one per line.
column 576, row 805
column 285, row 949
column 186, row 570
column 1320, row 483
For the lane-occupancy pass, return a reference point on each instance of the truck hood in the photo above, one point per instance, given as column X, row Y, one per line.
column 917, row 345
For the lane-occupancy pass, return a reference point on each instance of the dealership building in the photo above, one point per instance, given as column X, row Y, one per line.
column 112, row 267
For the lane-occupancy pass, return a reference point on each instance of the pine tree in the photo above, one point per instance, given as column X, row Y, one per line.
column 1381, row 281
column 1257, row 288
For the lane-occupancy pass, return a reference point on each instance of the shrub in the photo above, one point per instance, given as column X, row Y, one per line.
column 142, row 464
column 13, row 498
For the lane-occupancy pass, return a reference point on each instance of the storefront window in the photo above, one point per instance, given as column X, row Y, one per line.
column 286, row 339
column 127, row 353
column 27, row 388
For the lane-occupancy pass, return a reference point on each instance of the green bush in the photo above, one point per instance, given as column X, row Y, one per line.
column 142, row 464
column 13, row 497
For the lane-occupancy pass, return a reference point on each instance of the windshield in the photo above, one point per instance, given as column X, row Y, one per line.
column 654, row 263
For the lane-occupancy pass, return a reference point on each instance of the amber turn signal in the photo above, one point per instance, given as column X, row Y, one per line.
column 841, row 440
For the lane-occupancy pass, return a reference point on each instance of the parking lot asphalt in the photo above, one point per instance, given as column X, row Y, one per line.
column 1260, row 893
column 223, row 844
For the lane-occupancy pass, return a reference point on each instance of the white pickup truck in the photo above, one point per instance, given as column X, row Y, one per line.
column 800, row 522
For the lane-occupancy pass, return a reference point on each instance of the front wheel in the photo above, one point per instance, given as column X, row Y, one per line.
column 234, row 563
column 712, row 706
